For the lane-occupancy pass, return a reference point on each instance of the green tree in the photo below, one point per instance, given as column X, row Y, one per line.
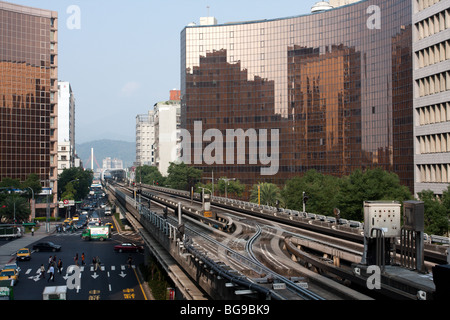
column 321, row 190
column 182, row 177
column 269, row 194
column 81, row 181
column 33, row 182
column 370, row 185
column 150, row 175
column 14, row 206
column 436, row 213
column 232, row 187
column 23, row 190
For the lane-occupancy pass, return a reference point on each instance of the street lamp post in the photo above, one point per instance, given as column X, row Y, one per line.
column 227, row 182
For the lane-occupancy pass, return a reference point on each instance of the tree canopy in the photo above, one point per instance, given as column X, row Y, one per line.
column 348, row 193
column 267, row 194
column 13, row 198
column 181, row 176
column 149, row 175
column 74, row 183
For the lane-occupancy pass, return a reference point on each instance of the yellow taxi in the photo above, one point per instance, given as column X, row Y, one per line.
column 23, row 254
column 110, row 225
column 9, row 274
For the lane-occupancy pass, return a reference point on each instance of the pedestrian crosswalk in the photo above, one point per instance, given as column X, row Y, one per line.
column 79, row 232
column 110, row 271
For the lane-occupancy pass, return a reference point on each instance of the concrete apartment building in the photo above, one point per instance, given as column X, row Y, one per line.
column 157, row 134
column 167, row 131
column 431, row 46
column 66, row 126
column 145, row 139
column 29, row 99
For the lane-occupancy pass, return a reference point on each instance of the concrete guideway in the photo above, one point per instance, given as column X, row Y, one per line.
column 187, row 287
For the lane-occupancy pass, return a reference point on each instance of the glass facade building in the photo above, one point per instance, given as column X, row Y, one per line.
column 336, row 86
column 28, row 95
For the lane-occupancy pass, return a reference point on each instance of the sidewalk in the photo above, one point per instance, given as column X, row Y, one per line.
column 9, row 249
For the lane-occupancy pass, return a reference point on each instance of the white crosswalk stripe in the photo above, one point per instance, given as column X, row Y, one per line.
column 91, row 270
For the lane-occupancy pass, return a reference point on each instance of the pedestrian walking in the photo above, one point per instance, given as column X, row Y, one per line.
column 97, row 262
column 130, row 261
column 76, row 259
column 32, row 231
column 60, row 264
column 52, row 274
column 50, row 259
column 82, row 259
column 42, row 275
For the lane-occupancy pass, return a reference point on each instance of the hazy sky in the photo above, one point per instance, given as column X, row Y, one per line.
column 125, row 55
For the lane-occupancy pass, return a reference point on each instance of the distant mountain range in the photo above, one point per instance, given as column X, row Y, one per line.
column 123, row 150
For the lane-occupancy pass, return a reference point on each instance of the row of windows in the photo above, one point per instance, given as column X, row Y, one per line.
column 433, row 173
column 433, row 84
column 434, row 114
column 424, row 4
column 434, row 24
column 434, row 54
column 434, row 143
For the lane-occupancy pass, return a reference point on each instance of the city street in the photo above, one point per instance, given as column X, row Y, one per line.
column 114, row 279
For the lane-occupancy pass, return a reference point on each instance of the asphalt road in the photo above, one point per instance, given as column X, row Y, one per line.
column 114, row 280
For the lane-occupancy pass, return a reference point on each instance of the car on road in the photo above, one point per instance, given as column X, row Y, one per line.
column 9, row 274
column 23, row 254
column 128, row 247
column 12, row 266
column 110, row 225
column 46, row 246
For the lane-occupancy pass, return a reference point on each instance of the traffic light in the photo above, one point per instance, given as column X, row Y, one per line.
column 305, row 197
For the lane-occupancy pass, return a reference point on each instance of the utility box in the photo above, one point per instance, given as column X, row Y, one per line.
column 413, row 215
column 384, row 215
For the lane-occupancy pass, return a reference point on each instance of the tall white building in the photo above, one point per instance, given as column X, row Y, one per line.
column 66, row 126
column 158, row 134
column 167, row 132
column 145, row 138
column 431, row 47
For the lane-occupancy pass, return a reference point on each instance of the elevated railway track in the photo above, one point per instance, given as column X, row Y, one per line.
column 323, row 246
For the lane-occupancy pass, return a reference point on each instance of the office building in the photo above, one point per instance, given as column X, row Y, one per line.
column 29, row 98
column 336, row 85
column 431, row 38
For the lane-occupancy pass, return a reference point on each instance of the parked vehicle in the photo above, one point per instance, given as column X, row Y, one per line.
column 9, row 231
column 128, row 247
column 46, row 246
